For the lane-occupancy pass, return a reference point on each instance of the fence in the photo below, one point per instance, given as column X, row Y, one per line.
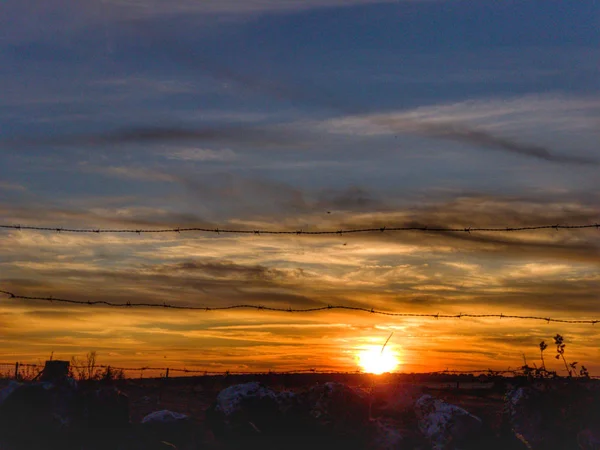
column 296, row 310
column 18, row 370
column 217, row 230
column 27, row 371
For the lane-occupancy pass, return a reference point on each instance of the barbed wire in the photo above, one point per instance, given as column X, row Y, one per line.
column 421, row 228
column 209, row 372
column 174, row 369
column 184, row 370
column 296, row 310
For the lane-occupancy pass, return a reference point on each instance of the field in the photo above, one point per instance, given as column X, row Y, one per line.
column 193, row 396
column 378, row 412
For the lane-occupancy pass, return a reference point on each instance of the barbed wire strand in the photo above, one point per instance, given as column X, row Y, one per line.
column 490, row 372
column 217, row 230
column 295, row 310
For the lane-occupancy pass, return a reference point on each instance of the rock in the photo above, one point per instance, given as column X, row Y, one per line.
column 525, row 418
column 144, row 399
column 446, row 426
column 327, row 414
column 338, row 406
column 168, row 428
column 589, row 439
column 385, row 435
column 550, row 416
column 34, row 414
column 394, row 400
column 71, row 383
column 106, row 408
column 249, row 409
column 39, row 415
column 164, row 417
column 236, row 397
column 5, row 392
column 337, row 414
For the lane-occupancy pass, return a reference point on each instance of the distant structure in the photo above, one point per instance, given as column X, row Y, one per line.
column 54, row 371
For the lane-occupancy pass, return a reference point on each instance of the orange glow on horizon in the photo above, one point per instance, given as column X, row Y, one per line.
column 373, row 360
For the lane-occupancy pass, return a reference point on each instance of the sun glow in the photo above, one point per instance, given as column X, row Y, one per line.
column 373, row 360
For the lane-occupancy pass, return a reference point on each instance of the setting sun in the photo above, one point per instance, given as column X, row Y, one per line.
column 373, row 360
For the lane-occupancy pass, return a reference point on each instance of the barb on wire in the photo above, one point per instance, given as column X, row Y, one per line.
column 292, row 310
column 219, row 231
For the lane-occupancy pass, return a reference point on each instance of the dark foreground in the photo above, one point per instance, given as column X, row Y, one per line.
column 302, row 412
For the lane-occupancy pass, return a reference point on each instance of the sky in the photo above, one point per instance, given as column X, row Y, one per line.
column 286, row 115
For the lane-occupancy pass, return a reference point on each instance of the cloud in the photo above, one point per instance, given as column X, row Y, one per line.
column 223, row 270
column 481, row 138
column 7, row 186
column 480, row 124
column 449, row 128
column 156, row 7
column 135, row 173
column 232, row 195
column 201, row 154
column 265, row 137
column 550, row 273
column 146, row 84
column 62, row 17
column 485, row 124
column 96, row 216
column 144, row 135
column 268, row 268
column 353, row 198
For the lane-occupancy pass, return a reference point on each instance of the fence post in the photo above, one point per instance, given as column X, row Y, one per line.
column 17, row 371
column 167, row 375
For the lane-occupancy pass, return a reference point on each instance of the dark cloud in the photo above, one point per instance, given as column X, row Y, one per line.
column 569, row 302
column 480, row 138
column 224, row 269
column 312, row 95
column 488, row 354
column 247, row 200
column 54, row 314
column 518, row 340
column 239, row 196
column 353, row 198
column 511, row 244
column 280, row 136
column 197, row 283
column 263, row 136
column 224, row 283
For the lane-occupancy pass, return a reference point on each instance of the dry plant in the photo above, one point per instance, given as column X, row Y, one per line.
column 85, row 369
column 570, row 367
column 542, row 372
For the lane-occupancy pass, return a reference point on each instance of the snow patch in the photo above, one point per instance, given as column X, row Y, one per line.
column 164, row 416
column 439, row 420
column 230, row 399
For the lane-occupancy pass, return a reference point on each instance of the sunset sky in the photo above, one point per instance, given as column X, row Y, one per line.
column 299, row 114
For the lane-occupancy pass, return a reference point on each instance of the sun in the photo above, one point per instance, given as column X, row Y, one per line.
column 373, row 360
